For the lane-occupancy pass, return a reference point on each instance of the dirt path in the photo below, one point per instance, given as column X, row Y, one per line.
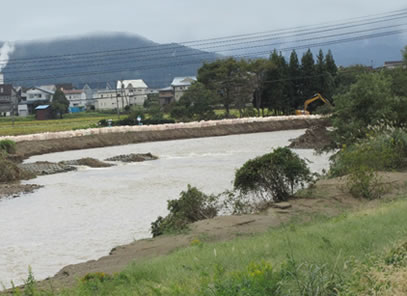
column 326, row 198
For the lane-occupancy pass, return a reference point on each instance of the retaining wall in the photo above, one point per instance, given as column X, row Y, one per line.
column 35, row 144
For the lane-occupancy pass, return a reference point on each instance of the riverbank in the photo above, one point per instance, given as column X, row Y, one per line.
column 252, row 234
column 93, row 138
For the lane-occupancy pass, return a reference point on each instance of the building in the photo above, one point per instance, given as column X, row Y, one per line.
column 64, row 86
column 133, row 92
column 166, row 95
column 36, row 96
column 108, row 99
column 180, row 85
column 43, row 112
column 393, row 64
column 77, row 100
column 8, row 100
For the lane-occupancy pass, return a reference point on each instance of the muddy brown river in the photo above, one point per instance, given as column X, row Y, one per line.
column 81, row 215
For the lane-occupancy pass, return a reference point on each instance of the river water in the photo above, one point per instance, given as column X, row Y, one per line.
column 81, row 215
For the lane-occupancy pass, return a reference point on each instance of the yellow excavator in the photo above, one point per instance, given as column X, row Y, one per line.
column 317, row 96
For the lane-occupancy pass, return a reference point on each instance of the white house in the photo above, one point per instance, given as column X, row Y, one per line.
column 77, row 99
column 180, row 85
column 108, row 99
column 133, row 92
column 39, row 94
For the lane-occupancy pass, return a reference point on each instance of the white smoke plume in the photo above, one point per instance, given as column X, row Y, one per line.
column 5, row 52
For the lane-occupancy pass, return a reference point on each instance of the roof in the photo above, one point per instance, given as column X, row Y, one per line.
column 169, row 88
column 51, row 87
column 7, row 89
column 64, row 86
column 42, row 107
column 393, row 63
column 42, row 89
column 138, row 83
column 183, row 81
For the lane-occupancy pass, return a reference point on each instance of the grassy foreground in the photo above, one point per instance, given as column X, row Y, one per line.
column 312, row 259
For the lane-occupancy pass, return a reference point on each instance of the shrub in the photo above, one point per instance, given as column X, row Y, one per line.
column 364, row 182
column 258, row 279
column 380, row 150
column 273, row 176
column 9, row 171
column 193, row 205
column 7, row 146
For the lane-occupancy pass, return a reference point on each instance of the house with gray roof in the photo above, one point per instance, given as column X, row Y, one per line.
column 133, row 92
column 180, row 85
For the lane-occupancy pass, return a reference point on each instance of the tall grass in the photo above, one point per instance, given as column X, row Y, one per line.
column 324, row 245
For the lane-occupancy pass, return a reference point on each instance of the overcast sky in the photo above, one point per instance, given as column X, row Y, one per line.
column 173, row 21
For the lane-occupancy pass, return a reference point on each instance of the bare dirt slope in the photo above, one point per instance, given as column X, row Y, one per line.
column 315, row 137
column 327, row 197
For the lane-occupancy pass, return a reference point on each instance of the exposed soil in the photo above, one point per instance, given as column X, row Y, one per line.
column 316, row 137
column 327, row 198
column 15, row 189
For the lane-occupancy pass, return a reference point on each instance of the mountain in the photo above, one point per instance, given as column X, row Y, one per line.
column 97, row 59
column 101, row 58
column 372, row 52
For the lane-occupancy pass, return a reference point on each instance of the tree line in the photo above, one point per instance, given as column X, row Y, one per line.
column 273, row 83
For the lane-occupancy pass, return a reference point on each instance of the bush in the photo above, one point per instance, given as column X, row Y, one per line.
column 258, row 279
column 365, row 182
column 193, row 205
column 9, row 171
column 273, row 176
column 380, row 150
column 7, row 146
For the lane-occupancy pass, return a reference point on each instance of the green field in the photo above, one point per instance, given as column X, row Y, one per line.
column 29, row 125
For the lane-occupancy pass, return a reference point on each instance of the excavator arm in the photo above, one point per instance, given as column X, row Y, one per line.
column 309, row 101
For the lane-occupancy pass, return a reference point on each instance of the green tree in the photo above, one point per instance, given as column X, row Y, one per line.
column 308, row 75
column 347, row 76
column 245, row 86
column 367, row 103
column 196, row 103
column 220, row 77
column 294, row 73
column 324, row 80
column 330, row 64
column 273, row 176
column 259, row 68
column 276, row 92
column 59, row 104
column 404, row 52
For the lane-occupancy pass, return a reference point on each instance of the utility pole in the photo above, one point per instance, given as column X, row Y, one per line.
column 117, row 104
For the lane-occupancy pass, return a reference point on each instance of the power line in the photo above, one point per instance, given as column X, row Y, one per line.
column 256, row 54
column 394, row 15
column 197, row 54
